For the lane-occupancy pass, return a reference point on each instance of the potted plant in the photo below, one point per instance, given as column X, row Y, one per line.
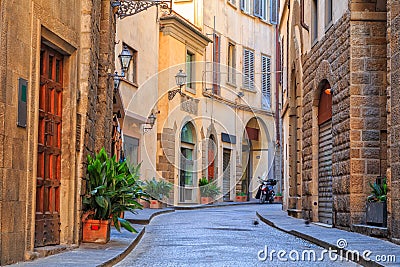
column 241, row 197
column 112, row 188
column 278, row 197
column 203, row 199
column 376, row 204
column 208, row 192
column 158, row 190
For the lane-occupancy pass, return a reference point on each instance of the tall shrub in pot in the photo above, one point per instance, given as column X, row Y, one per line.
column 111, row 188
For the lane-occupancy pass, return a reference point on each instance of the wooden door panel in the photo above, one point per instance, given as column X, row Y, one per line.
column 47, row 228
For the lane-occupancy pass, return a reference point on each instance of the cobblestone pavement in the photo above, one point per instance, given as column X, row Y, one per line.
column 219, row 237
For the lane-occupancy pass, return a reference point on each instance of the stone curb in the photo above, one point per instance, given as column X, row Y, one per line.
column 318, row 242
column 147, row 221
column 121, row 256
column 226, row 204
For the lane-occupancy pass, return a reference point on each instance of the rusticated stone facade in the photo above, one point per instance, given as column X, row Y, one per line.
column 82, row 32
column 352, row 58
column 393, row 121
column 329, row 59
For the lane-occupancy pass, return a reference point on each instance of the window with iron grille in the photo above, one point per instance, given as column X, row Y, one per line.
column 232, row 63
column 314, row 18
column 266, row 82
column 328, row 12
column 248, row 69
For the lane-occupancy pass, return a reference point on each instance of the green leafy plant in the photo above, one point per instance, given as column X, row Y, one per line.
column 157, row 189
column 112, row 188
column 210, row 190
column 203, row 181
column 279, row 194
column 241, row 194
column 378, row 192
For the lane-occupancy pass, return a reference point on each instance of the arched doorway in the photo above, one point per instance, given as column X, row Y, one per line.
column 257, row 156
column 187, row 177
column 325, row 200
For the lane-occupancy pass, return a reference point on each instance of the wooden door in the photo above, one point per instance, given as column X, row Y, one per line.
column 47, row 221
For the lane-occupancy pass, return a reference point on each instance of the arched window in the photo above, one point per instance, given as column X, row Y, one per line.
column 187, row 178
column 187, row 133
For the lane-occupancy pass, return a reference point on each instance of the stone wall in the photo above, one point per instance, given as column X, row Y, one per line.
column 84, row 32
column 352, row 57
column 328, row 59
column 393, row 120
column 367, row 111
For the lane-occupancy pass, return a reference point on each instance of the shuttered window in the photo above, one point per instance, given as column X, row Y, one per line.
column 273, row 11
column 260, row 9
column 233, row 2
column 248, row 69
column 266, row 82
column 245, row 5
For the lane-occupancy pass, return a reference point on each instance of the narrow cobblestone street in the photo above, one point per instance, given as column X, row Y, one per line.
column 217, row 237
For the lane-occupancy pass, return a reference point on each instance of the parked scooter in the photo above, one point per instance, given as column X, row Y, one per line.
column 266, row 191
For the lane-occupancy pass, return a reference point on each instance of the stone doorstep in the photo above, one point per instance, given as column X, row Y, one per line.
column 370, row 230
column 42, row 252
column 295, row 213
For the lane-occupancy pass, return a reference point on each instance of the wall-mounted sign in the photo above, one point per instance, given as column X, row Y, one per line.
column 228, row 138
column 22, row 102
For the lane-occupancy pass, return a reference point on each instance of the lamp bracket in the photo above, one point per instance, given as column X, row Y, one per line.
column 172, row 93
column 131, row 7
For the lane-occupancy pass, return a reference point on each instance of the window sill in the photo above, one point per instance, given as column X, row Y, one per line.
column 247, row 14
column 190, row 90
column 314, row 42
column 327, row 27
column 248, row 90
column 231, row 84
column 266, row 22
column 232, row 4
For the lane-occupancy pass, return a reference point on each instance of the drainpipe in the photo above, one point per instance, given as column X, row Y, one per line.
column 277, row 82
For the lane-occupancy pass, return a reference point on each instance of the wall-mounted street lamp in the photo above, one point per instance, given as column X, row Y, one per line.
column 125, row 58
column 151, row 120
column 128, row 8
column 180, row 79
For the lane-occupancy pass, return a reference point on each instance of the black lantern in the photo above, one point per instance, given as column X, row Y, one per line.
column 117, row 80
column 151, row 120
column 125, row 58
column 180, row 78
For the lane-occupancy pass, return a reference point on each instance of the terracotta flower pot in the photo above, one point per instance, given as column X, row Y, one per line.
column 96, row 231
column 278, row 199
column 206, row 200
column 144, row 203
column 241, row 198
column 155, row 204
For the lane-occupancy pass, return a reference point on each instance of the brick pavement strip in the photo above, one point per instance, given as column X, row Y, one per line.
column 327, row 237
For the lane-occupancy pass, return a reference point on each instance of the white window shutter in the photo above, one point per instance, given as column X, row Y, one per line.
column 248, row 69
column 266, row 82
column 274, row 11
